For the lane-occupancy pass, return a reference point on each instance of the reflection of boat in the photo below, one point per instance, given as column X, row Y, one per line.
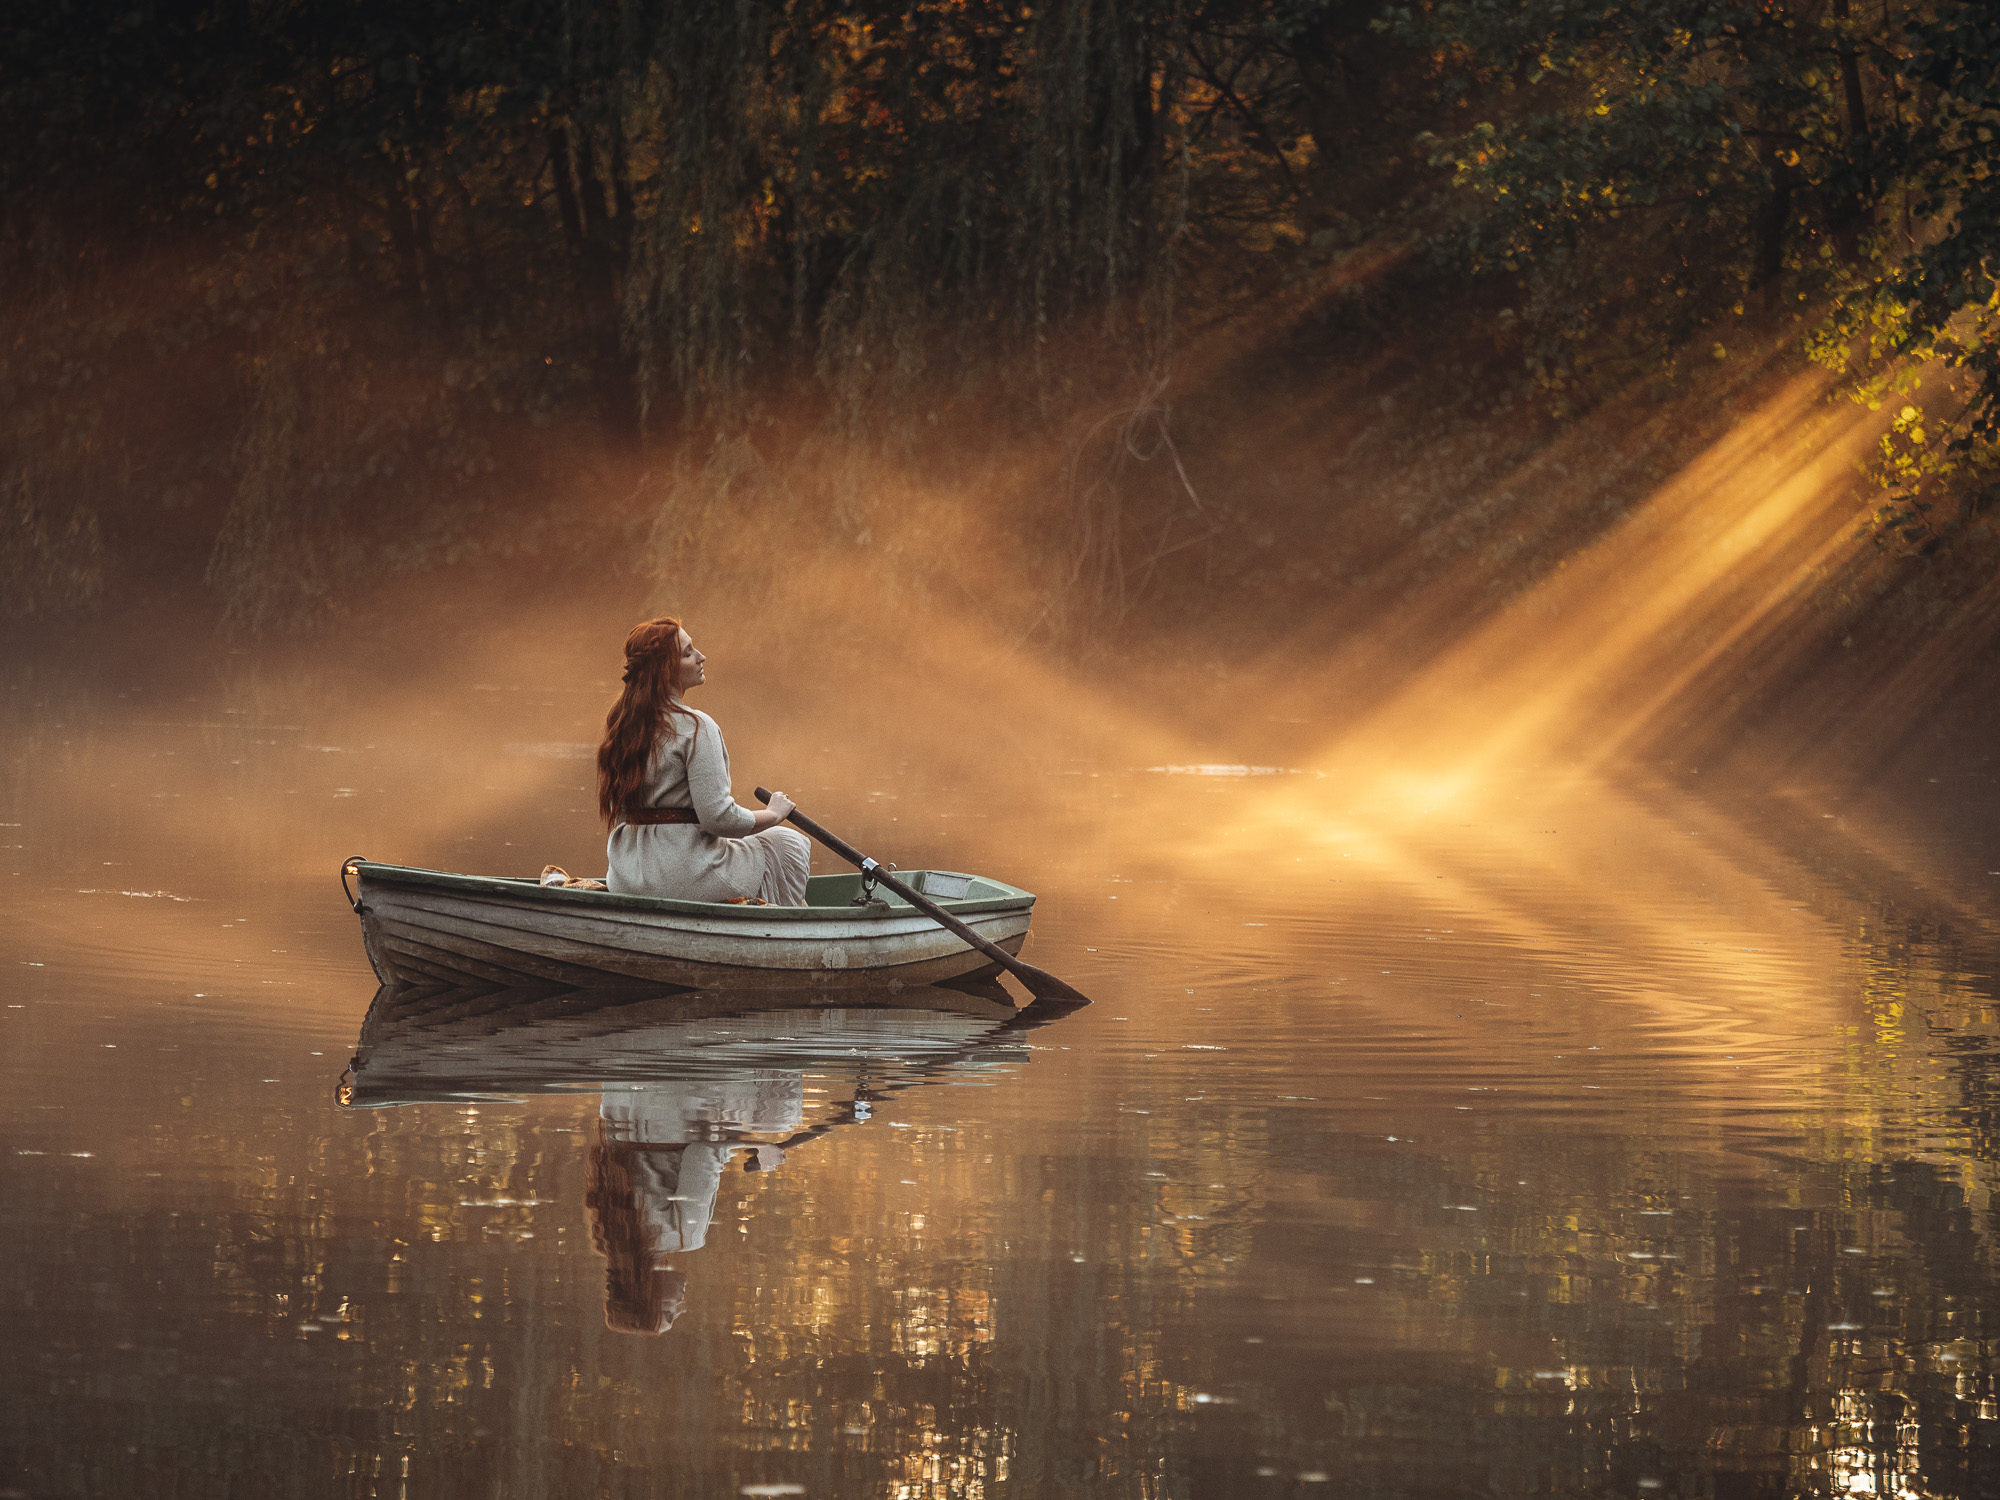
column 429, row 927
column 689, row 1083
column 421, row 1044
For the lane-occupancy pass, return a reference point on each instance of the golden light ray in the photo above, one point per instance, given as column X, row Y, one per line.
column 1422, row 794
column 1587, row 661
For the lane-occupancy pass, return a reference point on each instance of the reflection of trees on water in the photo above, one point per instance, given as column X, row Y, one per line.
column 1508, row 1351
column 1795, row 1326
column 1630, row 1312
column 1654, row 1305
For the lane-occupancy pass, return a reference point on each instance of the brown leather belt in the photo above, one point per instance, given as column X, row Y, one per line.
column 642, row 815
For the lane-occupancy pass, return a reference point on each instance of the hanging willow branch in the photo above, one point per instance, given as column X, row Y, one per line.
column 884, row 198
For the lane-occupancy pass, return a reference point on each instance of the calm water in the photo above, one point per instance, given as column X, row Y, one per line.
column 1545, row 1136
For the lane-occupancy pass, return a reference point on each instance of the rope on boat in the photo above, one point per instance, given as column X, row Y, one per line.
column 348, row 866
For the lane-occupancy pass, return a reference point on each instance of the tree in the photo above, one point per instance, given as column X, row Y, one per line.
column 1650, row 171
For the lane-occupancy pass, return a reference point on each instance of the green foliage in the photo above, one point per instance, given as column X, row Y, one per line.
column 1646, row 172
column 870, row 193
column 302, row 292
column 1930, row 321
column 675, row 222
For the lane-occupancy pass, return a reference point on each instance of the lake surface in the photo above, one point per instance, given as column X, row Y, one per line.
column 1551, row 1134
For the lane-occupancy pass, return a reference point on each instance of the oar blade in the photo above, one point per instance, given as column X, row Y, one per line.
column 1045, row 986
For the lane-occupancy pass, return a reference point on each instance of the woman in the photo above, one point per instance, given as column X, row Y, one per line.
column 663, row 787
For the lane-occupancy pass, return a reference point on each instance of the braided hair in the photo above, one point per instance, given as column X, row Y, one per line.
column 642, row 716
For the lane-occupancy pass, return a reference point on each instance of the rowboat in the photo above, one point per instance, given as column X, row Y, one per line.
column 434, row 929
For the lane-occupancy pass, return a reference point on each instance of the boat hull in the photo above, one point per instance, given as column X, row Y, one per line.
column 429, row 928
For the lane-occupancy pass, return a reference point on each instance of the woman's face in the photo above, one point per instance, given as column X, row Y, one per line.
column 691, row 674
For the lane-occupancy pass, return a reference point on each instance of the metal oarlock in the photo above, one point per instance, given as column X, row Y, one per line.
column 869, row 868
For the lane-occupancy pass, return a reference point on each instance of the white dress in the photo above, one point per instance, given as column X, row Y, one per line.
column 718, row 858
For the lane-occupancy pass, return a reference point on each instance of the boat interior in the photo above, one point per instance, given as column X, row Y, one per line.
column 942, row 886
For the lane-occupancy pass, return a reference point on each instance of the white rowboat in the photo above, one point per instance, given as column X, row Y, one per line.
column 430, row 928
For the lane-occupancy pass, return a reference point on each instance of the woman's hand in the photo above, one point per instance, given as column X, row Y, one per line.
column 780, row 808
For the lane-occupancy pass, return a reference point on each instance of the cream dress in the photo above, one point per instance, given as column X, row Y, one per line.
column 720, row 857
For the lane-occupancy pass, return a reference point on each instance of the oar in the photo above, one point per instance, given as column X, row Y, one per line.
column 1041, row 984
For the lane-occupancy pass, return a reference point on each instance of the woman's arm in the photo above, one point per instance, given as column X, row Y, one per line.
column 770, row 817
column 708, row 785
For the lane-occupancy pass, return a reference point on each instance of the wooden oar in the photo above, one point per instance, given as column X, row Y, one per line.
column 1041, row 984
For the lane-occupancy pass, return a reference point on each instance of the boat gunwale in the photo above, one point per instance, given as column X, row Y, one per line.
column 524, row 889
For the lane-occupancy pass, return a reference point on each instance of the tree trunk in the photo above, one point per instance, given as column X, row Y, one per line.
column 596, row 201
column 1777, row 216
column 403, row 233
column 1859, row 211
column 435, row 292
column 621, row 173
column 566, row 204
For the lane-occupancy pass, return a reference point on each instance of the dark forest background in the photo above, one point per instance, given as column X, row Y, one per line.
column 1100, row 315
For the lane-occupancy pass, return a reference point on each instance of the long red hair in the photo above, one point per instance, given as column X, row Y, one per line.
column 640, row 1296
column 641, row 716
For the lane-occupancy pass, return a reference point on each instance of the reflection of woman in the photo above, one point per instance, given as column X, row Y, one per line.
column 640, row 1294
column 663, row 787
column 655, row 1168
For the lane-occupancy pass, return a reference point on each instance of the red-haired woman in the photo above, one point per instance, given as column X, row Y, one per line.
column 663, row 787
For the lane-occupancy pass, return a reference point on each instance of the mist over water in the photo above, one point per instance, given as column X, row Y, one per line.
column 1443, row 1125
column 1468, row 592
